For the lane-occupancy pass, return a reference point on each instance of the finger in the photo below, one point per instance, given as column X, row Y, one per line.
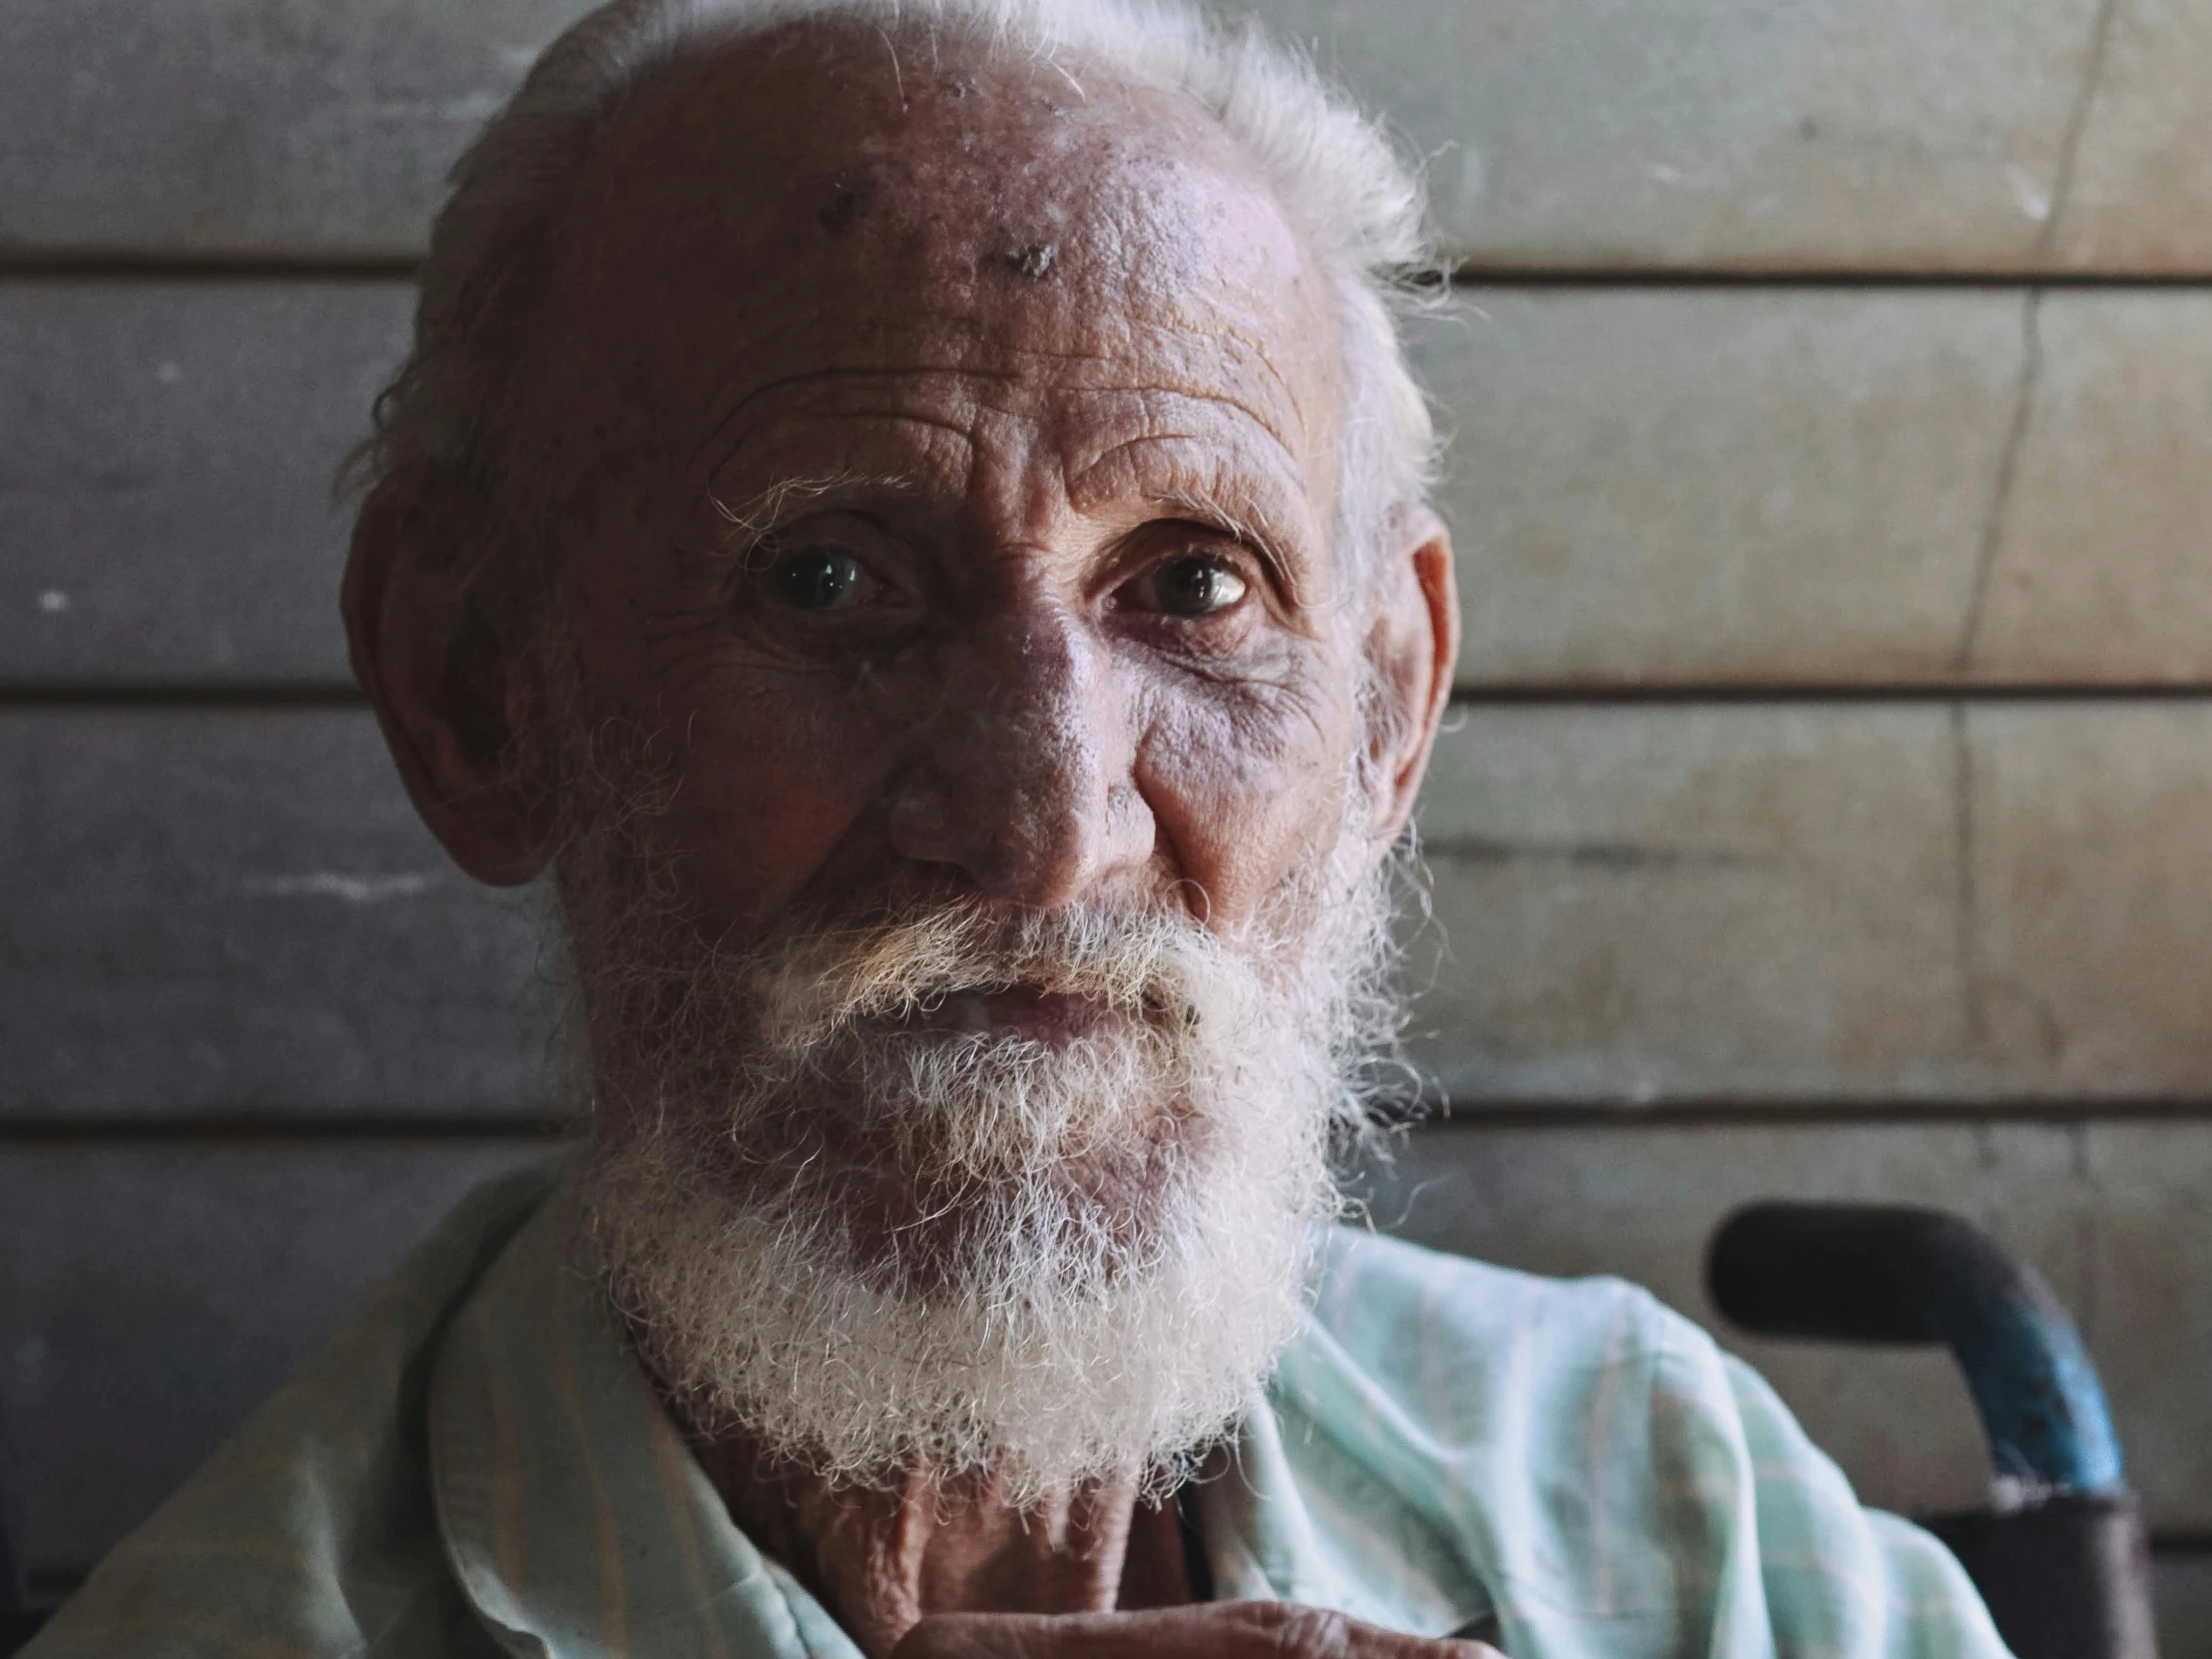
column 1214, row 1630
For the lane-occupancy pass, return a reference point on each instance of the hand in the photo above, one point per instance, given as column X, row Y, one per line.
column 1211, row 1630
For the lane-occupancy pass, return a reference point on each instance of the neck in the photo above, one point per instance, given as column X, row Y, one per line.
column 884, row 1557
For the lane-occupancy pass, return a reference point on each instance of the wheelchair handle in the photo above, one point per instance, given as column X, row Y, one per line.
column 1893, row 1274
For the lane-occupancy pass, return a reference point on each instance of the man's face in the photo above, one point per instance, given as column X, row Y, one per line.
column 967, row 873
column 974, row 531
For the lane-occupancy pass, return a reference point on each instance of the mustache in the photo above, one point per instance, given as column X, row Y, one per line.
column 1154, row 969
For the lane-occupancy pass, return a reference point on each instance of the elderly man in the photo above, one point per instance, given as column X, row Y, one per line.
column 913, row 516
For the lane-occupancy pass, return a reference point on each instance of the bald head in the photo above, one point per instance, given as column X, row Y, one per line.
column 829, row 200
column 1019, row 350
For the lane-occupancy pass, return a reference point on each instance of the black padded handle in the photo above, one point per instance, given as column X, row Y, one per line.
column 1889, row 1274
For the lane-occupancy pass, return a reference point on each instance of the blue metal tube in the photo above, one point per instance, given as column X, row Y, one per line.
column 1896, row 1275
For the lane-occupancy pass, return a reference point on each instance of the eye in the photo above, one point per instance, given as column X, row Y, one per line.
column 1196, row 585
column 820, row 579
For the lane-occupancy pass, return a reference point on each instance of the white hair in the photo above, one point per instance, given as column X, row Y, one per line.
column 1102, row 1242
column 1359, row 204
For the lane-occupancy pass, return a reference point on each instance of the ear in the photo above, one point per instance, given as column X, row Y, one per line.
column 446, row 692
column 1413, row 645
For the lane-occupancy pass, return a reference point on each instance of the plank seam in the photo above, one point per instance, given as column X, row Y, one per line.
column 69, row 695
column 123, row 264
column 2002, row 488
column 156, row 696
column 1432, row 1115
column 44, row 264
column 1476, row 277
column 115, row 1130
column 1941, row 691
column 1474, row 1116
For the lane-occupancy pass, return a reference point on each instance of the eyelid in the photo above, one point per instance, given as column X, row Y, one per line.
column 1275, row 564
column 1255, row 565
column 855, row 534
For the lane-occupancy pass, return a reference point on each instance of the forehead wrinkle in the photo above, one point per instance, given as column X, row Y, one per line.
column 874, row 418
column 717, row 432
column 886, row 418
column 1138, row 388
column 971, row 358
column 1170, row 441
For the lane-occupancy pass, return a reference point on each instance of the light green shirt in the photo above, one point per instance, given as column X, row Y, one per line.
column 476, row 1464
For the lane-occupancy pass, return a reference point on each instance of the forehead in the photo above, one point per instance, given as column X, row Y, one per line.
column 829, row 201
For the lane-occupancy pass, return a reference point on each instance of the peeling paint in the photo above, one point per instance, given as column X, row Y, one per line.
column 2029, row 192
column 351, row 889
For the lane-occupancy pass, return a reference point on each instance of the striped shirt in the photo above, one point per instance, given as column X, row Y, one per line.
column 476, row 1465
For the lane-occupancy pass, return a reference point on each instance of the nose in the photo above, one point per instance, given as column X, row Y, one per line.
column 1022, row 779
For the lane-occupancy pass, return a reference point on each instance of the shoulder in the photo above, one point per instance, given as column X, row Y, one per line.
column 1504, row 1378
column 1598, row 1461
column 1392, row 1303
column 311, row 1530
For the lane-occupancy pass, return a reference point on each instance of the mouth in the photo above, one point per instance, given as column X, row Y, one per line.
column 1021, row 1011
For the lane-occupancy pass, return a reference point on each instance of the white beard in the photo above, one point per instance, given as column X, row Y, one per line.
column 1104, row 1241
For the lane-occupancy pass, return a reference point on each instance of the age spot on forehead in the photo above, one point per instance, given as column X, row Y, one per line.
column 1032, row 260
column 852, row 195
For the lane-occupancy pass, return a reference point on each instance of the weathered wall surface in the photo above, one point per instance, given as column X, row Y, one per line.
column 1827, row 809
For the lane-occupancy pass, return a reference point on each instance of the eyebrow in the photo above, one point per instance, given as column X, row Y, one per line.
column 761, row 514
column 1209, row 511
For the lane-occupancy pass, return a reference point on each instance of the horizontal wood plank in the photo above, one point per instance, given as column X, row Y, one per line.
column 1715, row 134
column 1647, row 487
column 1646, row 903
column 236, row 911
column 1848, row 487
column 236, row 914
column 1721, row 485
column 165, row 495
column 287, row 128
column 1847, row 134
column 150, row 1295
column 2098, row 568
column 2091, row 907
column 1878, row 904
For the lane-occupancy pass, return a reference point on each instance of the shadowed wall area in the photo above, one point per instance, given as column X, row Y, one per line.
column 1827, row 809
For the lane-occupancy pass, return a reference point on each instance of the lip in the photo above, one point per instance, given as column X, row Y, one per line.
column 1021, row 1011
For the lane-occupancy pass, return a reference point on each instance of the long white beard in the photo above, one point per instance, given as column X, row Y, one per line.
column 1098, row 1243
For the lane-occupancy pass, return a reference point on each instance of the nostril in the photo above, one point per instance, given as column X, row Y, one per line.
column 919, row 824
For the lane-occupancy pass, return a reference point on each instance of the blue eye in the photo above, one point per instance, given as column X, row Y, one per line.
column 820, row 579
column 1196, row 586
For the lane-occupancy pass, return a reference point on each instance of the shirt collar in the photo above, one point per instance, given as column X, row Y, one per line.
column 579, row 1524
column 576, row 1519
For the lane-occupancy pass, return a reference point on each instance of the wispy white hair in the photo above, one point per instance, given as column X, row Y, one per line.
column 1356, row 202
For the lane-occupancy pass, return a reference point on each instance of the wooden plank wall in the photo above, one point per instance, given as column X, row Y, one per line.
column 1827, row 807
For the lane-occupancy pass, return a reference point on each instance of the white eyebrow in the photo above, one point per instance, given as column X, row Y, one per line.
column 774, row 505
column 1206, row 507
column 1269, row 547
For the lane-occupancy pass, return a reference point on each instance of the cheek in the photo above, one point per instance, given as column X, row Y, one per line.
column 1247, row 783
column 773, row 775
column 756, row 820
